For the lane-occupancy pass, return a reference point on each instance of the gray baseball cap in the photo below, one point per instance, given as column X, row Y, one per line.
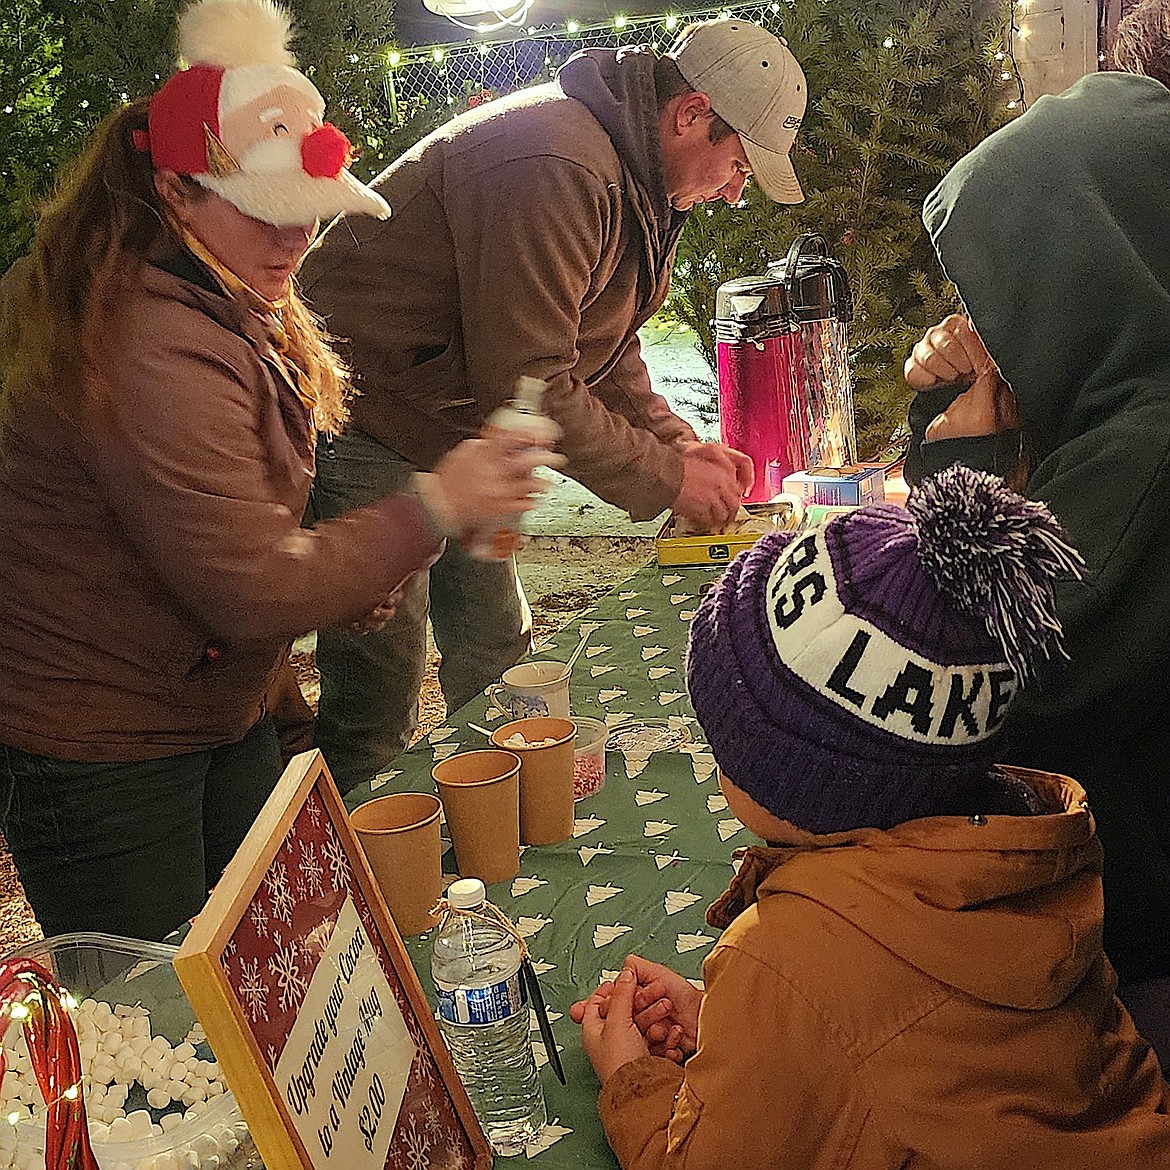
column 757, row 87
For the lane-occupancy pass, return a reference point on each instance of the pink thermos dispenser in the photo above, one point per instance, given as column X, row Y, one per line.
column 782, row 348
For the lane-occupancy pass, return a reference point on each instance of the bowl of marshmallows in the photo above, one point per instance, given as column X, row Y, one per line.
column 154, row 1095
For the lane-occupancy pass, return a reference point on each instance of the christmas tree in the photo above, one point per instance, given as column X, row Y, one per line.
column 896, row 96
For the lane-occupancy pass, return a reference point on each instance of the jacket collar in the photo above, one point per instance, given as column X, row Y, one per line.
column 178, row 275
column 1005, row 908
column 757, row 863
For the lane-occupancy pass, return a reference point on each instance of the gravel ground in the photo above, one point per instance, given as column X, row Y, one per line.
column 562, row 575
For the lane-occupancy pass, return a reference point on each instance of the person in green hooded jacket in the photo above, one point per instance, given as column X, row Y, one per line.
column 1054, row 230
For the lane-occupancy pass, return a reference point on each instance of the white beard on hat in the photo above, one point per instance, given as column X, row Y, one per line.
column 271, row 183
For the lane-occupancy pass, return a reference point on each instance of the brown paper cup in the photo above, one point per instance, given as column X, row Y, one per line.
column 399, row 835
column 546, row 776
column 481, row 796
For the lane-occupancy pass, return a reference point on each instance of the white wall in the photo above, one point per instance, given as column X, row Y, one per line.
column 1056, row 44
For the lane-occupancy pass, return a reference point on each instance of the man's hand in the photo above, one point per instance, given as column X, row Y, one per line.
column 715, row 480
column 611, row 1039
column 666, row 1008
column 987, row 408
column 948, row 352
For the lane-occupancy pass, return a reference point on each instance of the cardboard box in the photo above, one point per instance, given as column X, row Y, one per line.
column 848, row 486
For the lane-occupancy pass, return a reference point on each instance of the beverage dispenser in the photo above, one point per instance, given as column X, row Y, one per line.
column 785, row 395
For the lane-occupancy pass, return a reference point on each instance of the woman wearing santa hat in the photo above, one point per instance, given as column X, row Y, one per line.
column 163, row 383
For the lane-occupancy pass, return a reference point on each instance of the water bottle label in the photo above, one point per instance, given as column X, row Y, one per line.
column 484, row 1005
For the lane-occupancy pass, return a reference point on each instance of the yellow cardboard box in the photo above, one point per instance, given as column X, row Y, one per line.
column 721, row 548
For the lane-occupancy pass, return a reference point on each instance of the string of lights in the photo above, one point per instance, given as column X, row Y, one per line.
column 1006, row 57
column 618, row 26
column 29, row 996
column 494, row 64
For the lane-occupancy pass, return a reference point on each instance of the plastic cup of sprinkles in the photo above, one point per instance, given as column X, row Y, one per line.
column 589, row 756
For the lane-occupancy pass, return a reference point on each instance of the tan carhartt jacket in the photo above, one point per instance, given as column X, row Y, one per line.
column 932, row 997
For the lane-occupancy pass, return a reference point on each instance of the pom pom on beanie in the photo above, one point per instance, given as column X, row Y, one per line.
column 858, row 674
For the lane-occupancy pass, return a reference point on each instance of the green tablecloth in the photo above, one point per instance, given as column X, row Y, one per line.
column 649, row 851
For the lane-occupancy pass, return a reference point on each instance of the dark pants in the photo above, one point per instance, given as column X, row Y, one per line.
column 370, row 683
column 131, row 848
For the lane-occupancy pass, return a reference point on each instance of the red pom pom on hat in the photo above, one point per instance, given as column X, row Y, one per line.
column 326, row 152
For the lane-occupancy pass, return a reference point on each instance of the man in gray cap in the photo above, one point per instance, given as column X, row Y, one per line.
column 532, row 236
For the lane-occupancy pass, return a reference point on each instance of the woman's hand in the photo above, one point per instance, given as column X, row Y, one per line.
column 487, row 478
column 381, row 614
column 948, row 352
column 666, row 1008
column 987, row 408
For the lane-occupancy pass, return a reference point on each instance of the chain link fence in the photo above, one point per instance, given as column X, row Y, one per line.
column 447, row 80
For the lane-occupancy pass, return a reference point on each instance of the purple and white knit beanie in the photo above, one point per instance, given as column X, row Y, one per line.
column 857, row 674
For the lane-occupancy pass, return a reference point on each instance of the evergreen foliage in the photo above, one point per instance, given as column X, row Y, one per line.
column 897, row 95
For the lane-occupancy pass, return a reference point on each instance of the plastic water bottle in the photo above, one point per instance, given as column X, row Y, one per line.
column 483, row 1015
column 524, row 418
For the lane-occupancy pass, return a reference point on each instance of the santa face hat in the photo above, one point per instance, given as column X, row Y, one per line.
column 245, row 123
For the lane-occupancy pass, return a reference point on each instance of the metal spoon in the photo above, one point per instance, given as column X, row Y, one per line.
column 576, row 653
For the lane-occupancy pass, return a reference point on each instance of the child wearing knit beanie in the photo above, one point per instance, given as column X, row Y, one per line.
column 911, row 972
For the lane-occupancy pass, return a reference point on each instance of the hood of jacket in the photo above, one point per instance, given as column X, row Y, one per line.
column 617, row 87
column 1054, row 231
column 1028, row 886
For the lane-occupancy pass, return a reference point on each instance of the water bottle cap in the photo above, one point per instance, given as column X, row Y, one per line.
column 466, row 893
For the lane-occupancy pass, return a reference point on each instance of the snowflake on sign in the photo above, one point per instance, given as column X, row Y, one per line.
column 364, row 911
column 289, row 980
column 434, row 1121
column 338, row 862
column 314, row 875
column 253, row 990
column 314, row 806
column 427, row 1071
column 455, row 1157
column 230, row 950
column 416, row 1150
column 259, row 919
column 313, row 945
column 412, row 1025
column 280, row 892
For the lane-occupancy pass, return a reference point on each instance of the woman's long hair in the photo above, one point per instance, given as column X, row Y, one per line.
column 101, row 223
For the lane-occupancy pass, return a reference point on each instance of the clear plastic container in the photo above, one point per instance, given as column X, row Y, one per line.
column 135, row 974
column 648, row 735
column 589, row 756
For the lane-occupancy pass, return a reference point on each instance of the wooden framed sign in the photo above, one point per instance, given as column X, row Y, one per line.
column 318, row 1020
